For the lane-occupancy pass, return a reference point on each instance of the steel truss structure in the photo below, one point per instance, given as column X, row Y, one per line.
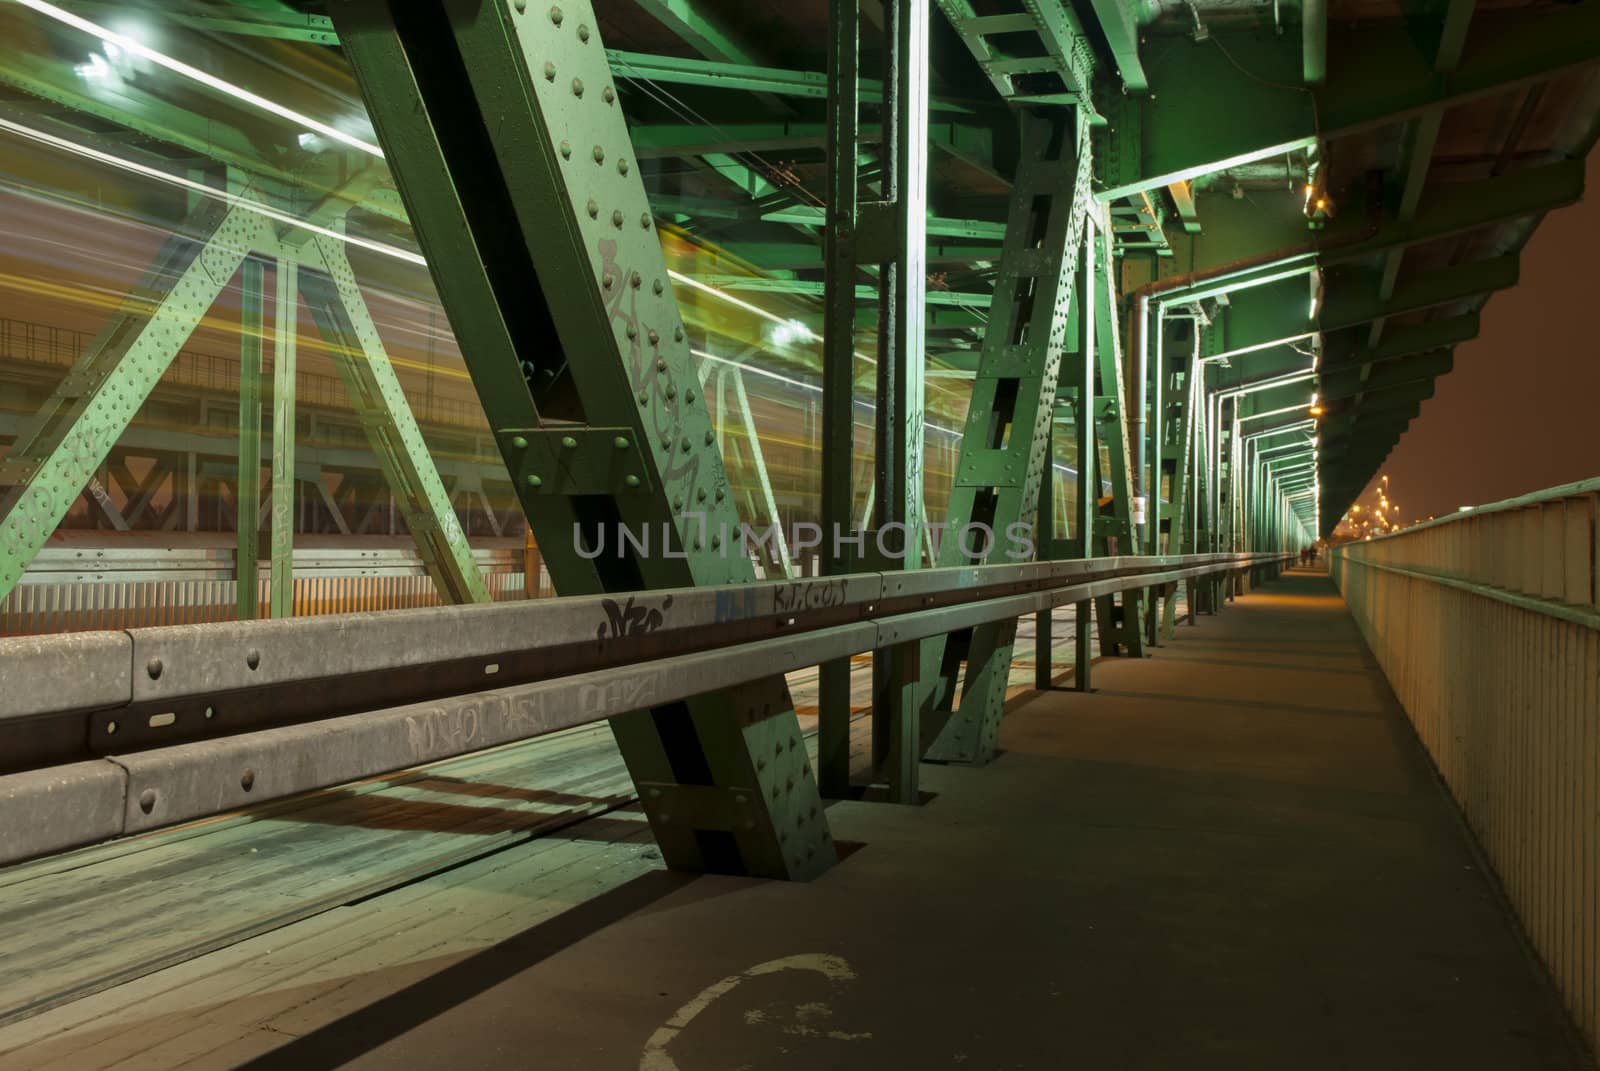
column 1152, row 242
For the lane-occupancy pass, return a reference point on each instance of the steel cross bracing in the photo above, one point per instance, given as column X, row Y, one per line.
column 329, row 287
column 1006, row 445
column 501, row 125
column 56, row 456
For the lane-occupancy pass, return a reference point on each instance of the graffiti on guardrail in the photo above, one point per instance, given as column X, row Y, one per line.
column 632, row 618
column 811, row 596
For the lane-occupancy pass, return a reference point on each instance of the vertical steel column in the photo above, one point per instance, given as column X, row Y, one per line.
column 286, row 290
column 1157, row 467
column 838, row 368
column 901, row 358
column 501, row 124
column 1181, row 538
column 1084, row 408
column 1044, row 537
column 247, row 502
column 1120, row 621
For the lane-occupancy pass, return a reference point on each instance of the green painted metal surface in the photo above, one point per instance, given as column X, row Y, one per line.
column 1005, row 448
column 332, row 295
column 502, row 128
column 285, row 353
column 247, row 485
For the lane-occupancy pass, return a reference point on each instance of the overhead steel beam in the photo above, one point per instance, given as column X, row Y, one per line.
column 1461, row 207
column 746, row 78
column 1117, row 21
column 1062, row 49
column 703, row 30
column 1242, row 117
column 1350, row 382
column 1346, row 307
column 1347, row 350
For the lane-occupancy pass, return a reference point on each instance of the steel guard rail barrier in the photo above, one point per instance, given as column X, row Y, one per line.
column 1487, row 624
column 182, row 717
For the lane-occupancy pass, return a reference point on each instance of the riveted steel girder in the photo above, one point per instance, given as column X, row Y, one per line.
column 1119, row 621
column 501, row 124
column 1005, row 446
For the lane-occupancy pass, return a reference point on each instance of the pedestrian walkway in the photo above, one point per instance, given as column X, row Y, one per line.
column 1233, row 854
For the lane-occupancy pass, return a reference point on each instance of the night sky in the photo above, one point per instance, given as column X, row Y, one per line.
column 1521, row 409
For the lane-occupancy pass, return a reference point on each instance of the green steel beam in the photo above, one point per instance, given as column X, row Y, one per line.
column 840, row 294
column 1243, row 116
column 1081, row 334
column 746, row 78
column 1421, row 137
column 477, row 130
column 1348, row 307
column 703, row 30
column 1314, row 41
column 1461, row 207
column 56, row 453
column 1119, row 621
column 1181, row 533
column 280, row 584
column 901, row 216
column 247, row 499
column 362, row 362
column 936, row 226
column 1341, row 351
column 1116, row 18
column 1350, row 382
column 1052, row 25
column 1005, row 444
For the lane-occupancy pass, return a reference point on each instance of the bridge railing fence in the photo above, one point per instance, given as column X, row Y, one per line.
column 1487, row 624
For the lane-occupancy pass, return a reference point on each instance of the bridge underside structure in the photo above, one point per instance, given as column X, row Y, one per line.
column 912, row 345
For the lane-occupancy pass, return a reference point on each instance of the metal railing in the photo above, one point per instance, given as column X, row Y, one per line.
column 137, row 729
column 81, row 588
column 1487, row 624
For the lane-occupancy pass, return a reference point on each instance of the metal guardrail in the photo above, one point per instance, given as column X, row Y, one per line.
column 80, row 586
column 1487, row 624
column 187, row 721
